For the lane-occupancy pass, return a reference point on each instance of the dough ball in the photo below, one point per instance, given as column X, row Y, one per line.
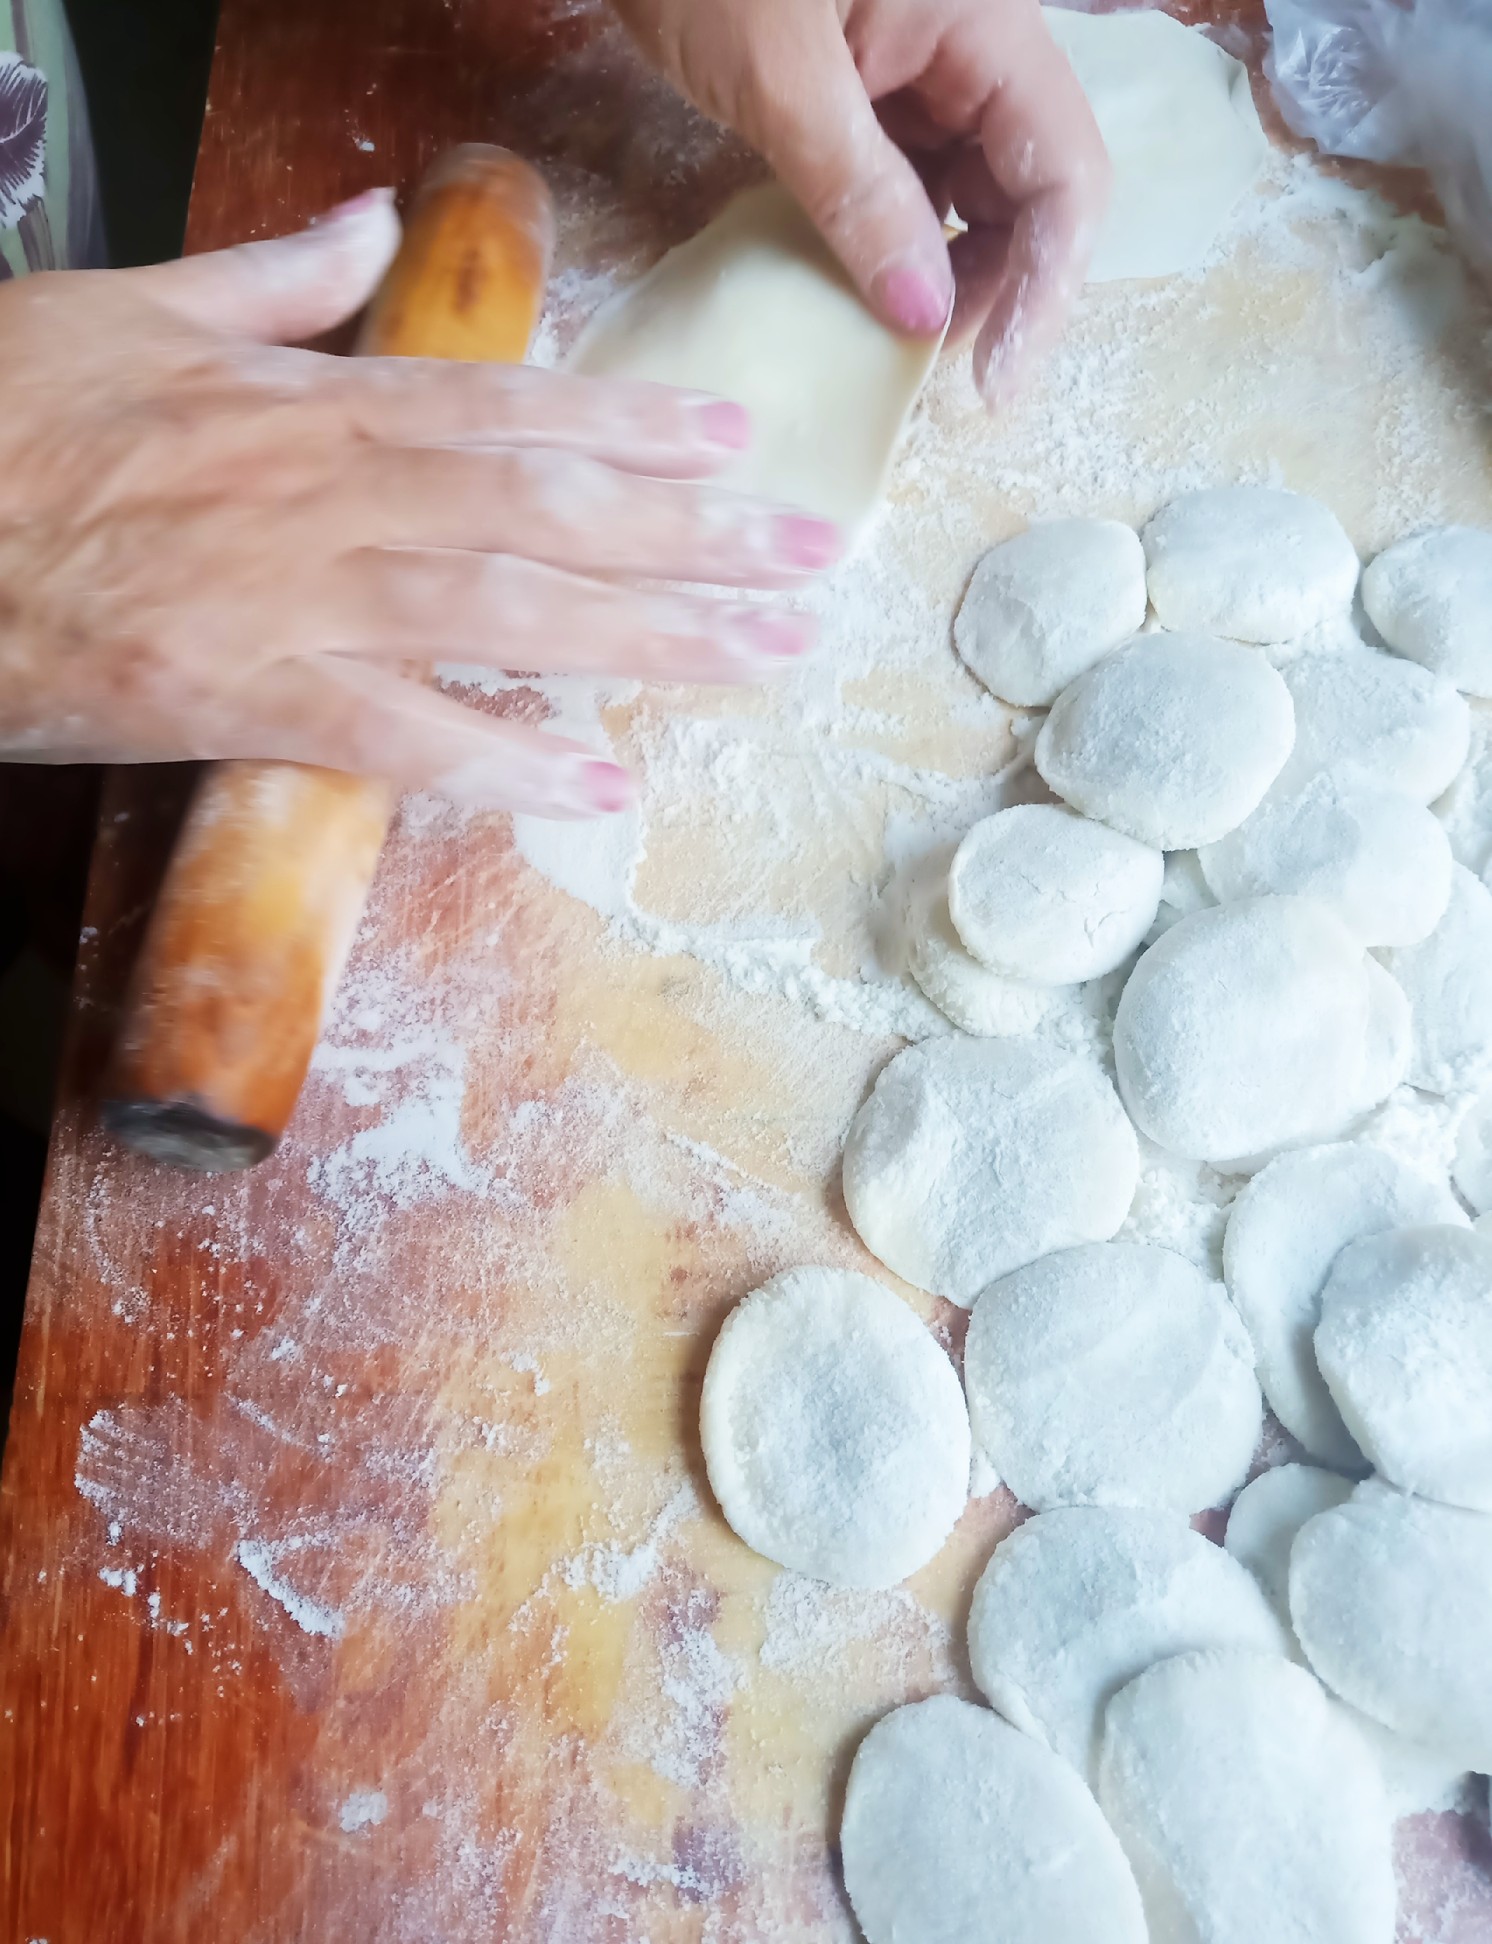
column 834, row 1429
column 1183, row 136
column 973, row 1157
column 1076, row 1603
column 1430, row 597
column 1389, row 1597
column 1473, row 1169
column 957, row 1829
column 1405, row 1346
column 1173, row 739
column 757, row 308
column 1046, row 605
column 1449, row 987
column 1248, row 1805
column 1250, row 1027
column 1386, row 1039
column 1366, row 718
column 1114, row 1374
column 1043, row 894
column 1378, row 861
column 1250, row 563
column 1287, row 1228
column 977, row 1000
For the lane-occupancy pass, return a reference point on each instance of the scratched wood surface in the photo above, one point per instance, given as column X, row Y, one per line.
column 360, row 1577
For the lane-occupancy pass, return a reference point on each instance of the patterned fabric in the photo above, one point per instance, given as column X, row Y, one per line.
column 49, row 215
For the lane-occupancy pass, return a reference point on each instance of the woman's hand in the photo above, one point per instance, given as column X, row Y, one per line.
column 880, row 116
column 211, row 545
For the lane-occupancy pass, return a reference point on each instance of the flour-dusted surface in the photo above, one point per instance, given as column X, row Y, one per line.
column 372, row 1474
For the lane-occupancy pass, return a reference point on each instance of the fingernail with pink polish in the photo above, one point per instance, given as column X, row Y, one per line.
column 801, row 541
column 607, row 786
column 914, row 297
column 725, row 424
column 773, row 635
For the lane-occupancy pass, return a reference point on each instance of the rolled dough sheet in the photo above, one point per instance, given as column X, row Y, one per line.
column 755, row 308
column 1179, row 121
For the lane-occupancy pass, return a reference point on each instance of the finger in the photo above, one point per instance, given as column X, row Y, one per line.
column 574, row 512
column 503, row 612
column 289, row 287
column 349, row 716
column 805, row 108
column 981, row 259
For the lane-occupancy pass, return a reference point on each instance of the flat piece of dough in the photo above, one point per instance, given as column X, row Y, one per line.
column 1183, row 135
column 1368, row 718
column 976, row 1000
column 756, row 308
column 834, row 1429
column 1430, row 597
column 1450, row 991
column 1075, row 1603
column 1250, row 563
column 958, row 1829
column 1248, row 1805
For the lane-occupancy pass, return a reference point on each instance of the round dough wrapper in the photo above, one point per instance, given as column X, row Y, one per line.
column 1405, row 1346
column 1447, row 982
column 1389, row 1597
column 834, row 1429
column 1473, row 1167
column 1378, row 861
column 958, row 1829
column 1248, row 1805
column 1250, row 563
column 1113, row 1374
column 1254, row 1026
column 972, row 1157
column 975, row 999
column 1075, row 1603
column 1040, row 893
column 1046, row 605
column 1430, row 597
column 1367, row 718
column 1286, row 1229
column 1172, row 739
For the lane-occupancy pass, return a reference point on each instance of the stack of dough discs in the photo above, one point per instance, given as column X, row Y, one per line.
column 974, row 998
column 1046, row 605
column 834, row 1429
column 958, row 1829
column 973, row 1157
column 1173, row 739
column 1075, row 1603
column 1430, row 598
column 1250, row 563
column 1248, row 1805
column 1114, row 1374
column 1389, row 1597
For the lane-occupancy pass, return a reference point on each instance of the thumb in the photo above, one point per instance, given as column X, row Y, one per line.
column 290, row 287
column 808, row 113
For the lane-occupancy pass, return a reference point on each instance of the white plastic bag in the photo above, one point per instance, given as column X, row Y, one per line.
column 1396, row 81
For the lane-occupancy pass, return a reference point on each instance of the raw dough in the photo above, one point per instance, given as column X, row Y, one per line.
column 834, row 1429
column 1046, row 605
column 1287, row 1228
column 1254, row 1026
column 1367, row 718
column 1172, row 739
column 1405, row 1346
column 1114, row 1374
column 1379, row 861
column 1389, row 1596
column 1449, row 986
column 1251, row 563
column 1473, row 1169
column 977, row 1000
column 1040, row 893
column 1248, row 1805
column 1430, row 597
column 1183, row 135
column 756, row 308
column 958, row 1829
column 1075, row 1603
column 973, row 1157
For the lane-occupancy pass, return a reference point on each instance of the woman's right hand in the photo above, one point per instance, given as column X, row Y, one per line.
column 212, row 545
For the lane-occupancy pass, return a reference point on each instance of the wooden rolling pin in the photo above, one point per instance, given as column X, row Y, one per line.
column 270, row 872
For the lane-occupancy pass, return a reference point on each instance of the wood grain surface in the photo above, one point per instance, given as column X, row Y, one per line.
column 359, row 1573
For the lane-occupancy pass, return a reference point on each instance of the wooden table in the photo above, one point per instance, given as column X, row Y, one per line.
column 328, row 1598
